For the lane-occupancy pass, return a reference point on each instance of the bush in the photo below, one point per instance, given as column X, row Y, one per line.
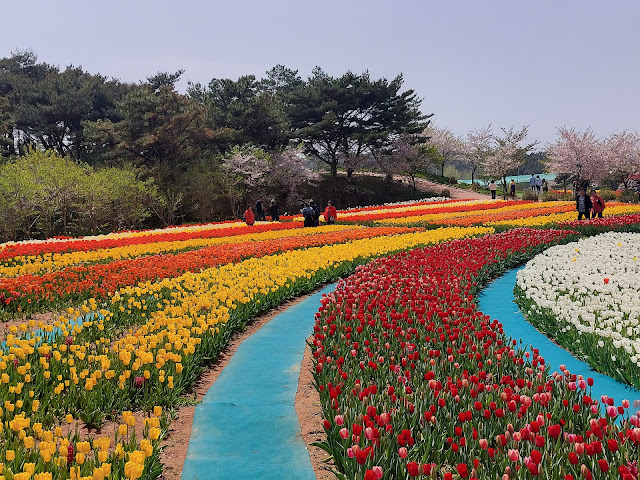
column 607, row 194
column 453, row 181
column 551, row 196
column 445, row 193
column 529, row 195
column 627, row 196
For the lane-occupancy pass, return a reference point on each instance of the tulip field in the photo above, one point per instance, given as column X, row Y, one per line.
column 414, row 380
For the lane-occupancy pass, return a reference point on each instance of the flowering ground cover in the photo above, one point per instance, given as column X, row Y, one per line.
column 140, row 328
column 149, row 346
column 415, row 382
column 587, row 296
column 32, row 293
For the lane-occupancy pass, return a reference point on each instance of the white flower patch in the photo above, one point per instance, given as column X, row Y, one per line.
column 593, row 284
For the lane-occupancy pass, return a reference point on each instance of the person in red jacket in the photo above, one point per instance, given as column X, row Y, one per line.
column 330, row 213
column 597, row 204
column 248, row 215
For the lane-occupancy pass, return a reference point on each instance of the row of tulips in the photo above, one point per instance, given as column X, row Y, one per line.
column 92, row 368
column 33, row 293
column 46, row 263
column 419, row 213
column 415, row 382
column 20, row 252
column 586, row 295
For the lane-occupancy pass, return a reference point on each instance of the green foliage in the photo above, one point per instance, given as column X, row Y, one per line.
column 529, row 195
column 608, row 194
column 43, row 194
column 627, row 196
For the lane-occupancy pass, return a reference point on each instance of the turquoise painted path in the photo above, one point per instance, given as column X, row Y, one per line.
column 497, row 301
column 246, row 426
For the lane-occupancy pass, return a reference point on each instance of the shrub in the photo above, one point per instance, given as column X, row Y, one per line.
column 445, row 193
column 607, row 194
column 627, row 196
column 551, row 196
column 529, row 195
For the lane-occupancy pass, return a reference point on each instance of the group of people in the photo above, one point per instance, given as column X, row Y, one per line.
column 250, row 218
column 589, row 206
column 537, row 184
column 311, row 213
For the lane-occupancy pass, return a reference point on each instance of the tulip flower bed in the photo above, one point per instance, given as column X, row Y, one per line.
column 48, row 262
column 107, row 363
column 613, row 209
column 482, row 211
column 33, row 293
column 586, row 296
column 121, row 239
column 415, row 382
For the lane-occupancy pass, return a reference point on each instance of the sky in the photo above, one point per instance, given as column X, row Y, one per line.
column 542, row 64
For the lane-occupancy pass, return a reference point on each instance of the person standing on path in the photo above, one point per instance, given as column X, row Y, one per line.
column 532, row 183
column 512, row 189
column 583, row 204
column 538, row 184
column 545, row 185
column 492, row 189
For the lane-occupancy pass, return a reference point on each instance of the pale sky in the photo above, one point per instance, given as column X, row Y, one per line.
column 541, row 63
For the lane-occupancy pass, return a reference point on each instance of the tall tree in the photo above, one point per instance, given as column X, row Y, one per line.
column 47, row 107
column 161, row 132
column 580, row 154
column 478, row 148
column 340, row 120
column 243, row 111
column 509, row 154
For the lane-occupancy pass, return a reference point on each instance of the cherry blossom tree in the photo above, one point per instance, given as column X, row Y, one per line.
column 478, row 148
column 446, row 143
column 622, row 156
column 508, row 154
column 290, row 170
column 404, row 156
column 581, row 154
column 243, row 171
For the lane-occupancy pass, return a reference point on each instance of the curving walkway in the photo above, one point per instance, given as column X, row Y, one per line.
column 497, row 301
column 246, row 426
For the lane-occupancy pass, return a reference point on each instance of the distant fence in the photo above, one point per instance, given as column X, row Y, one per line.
column 518, row 178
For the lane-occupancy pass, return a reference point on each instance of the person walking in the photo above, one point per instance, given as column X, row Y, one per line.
column 597, row 204
column 512, row 189
column 330, row 213
column 538, row 184
column 583, row 204
column 260, row 210
column 274, row 211
column 249, row 217
column 545, row 185
column 492, row 189
column 532, row 183
column 316, row 213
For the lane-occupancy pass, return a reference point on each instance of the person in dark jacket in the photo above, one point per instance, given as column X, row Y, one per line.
column 260, row 210
column 583, row 204
column 274, row 211
column 316, row 213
